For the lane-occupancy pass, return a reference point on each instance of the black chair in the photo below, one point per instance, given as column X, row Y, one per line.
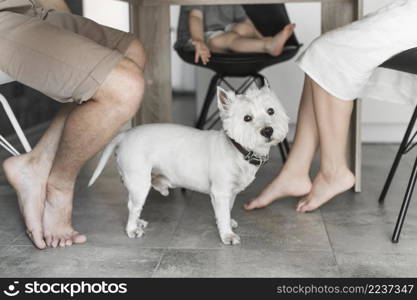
column 404, row 62
column 269, row 19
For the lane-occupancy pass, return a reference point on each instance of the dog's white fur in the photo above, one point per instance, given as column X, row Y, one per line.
column 166, row 156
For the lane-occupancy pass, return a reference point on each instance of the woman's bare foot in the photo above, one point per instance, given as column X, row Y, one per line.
column 57, row 223
column 284, row 185
column 275, row 45
column 28, row 176
column 326, row 187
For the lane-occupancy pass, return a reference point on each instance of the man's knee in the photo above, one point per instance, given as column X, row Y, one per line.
column 137, row 53
column 123, row 88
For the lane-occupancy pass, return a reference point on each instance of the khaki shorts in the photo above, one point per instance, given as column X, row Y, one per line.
column 64, row 56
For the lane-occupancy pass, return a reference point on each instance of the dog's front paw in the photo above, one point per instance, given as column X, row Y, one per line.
column 135, row 233
column 138, row 230
column 233, row 223
column 142, row 223
column 230, row 239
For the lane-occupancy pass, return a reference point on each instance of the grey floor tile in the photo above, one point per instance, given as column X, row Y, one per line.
column 11, row 225
column 361, row 264
column 357, row 223
column 79, row 261
column 235, row 262
column 276, row 227
column 104, row 224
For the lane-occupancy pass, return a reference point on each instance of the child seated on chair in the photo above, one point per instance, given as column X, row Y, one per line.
column 225, row 28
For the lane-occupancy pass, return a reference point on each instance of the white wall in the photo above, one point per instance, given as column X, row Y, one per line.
column 111, row 13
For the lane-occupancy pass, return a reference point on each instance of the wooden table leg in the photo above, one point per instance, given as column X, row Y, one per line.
column 152, row 26
column 336, row 13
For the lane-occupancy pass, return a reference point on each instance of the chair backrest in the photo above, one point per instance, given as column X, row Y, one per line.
column 4, row 78
column 405, row 61
column 270, row 19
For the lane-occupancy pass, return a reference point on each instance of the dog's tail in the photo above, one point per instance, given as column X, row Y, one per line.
column 105, row 156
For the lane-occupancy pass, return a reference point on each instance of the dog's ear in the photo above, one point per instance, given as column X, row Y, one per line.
column 224, row 98
column 266, row 84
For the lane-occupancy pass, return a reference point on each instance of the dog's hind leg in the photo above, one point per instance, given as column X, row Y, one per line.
column 138, row 185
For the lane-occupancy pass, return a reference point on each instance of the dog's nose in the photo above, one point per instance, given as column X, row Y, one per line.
column 267, row 132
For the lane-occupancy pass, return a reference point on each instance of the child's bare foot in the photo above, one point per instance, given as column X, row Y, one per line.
column 275, row 45
column 57, row 223
column 326, row 187
column 28, row 177
column 284, row 185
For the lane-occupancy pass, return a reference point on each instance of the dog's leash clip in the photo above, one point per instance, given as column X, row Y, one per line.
column 255, row 160
column 249, row 156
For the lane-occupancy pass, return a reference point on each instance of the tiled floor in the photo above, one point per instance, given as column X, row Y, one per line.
column 348, row 237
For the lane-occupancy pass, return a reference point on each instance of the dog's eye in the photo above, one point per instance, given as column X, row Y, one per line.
column 270, row 111
column 247, row 118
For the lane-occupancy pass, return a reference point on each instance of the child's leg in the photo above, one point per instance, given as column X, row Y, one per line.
column 245, row 30
column 232, row 41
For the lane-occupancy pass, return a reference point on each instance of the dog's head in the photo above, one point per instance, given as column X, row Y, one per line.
column 256, row 119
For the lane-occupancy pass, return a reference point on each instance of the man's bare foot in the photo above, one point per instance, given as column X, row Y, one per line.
column 325, row 188
column 275, row 45
column 28, row 177
column 57, row 223
column 284, row 185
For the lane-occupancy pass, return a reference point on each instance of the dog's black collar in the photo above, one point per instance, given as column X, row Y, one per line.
column 250, row 156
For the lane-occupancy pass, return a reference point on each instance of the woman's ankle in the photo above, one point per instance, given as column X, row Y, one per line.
column 335, row 173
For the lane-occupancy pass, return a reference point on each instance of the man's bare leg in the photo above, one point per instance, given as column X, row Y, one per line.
column 88, row 128
column 334, row 177
column 28, row 174
column 294, row 179
column 234, row 41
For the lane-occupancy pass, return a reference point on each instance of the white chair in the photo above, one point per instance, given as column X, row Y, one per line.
column 4, row 78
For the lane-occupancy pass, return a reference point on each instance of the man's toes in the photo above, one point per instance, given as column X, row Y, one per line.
column 62, row 242
column 68, row 243
column 48, row 240
column 55, row 242
column 37, row 239
column 78, row 238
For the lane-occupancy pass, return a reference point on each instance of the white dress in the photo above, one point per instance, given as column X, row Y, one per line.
column 345, row 61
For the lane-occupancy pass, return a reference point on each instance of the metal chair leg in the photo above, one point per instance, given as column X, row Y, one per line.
column 15, row 123
column 398, row 157
column 405, row 204
column 211, row 93
column 282, row 151
column 286, row 146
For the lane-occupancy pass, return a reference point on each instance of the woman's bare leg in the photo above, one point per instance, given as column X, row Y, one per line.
column 334, row 177
column 294, row 178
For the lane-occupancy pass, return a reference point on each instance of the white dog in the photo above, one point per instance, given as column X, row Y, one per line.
column 219, row 163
